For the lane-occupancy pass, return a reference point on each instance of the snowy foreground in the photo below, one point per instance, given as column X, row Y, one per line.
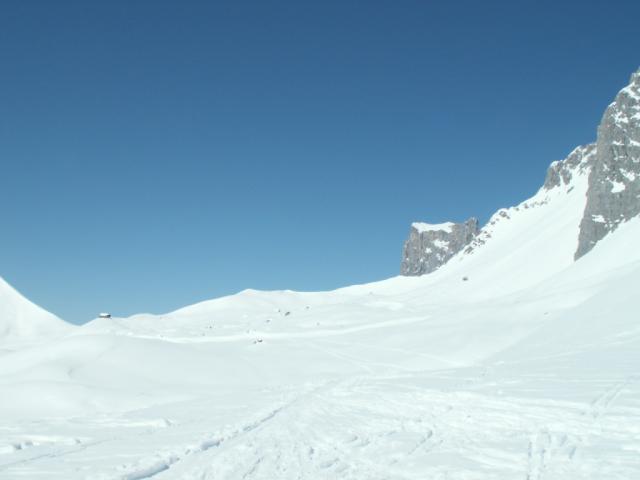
column 528, row 369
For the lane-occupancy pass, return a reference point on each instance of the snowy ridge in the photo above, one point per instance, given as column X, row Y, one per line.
column 547, row 223
column 428, row 249
column 612, row 194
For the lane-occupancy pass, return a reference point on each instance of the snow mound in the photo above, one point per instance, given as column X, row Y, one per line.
column 23, row 321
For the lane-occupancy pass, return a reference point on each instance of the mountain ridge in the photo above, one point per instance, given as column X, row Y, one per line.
column 611, row 198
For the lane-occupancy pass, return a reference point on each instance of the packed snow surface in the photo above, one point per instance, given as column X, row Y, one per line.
column 510, row 362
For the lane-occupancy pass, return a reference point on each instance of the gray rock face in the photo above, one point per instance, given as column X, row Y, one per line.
column 431, row 246
column 561, row 172
column 613, row 195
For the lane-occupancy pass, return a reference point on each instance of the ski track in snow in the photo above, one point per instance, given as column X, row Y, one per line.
column 485, row 421
column 357, row 429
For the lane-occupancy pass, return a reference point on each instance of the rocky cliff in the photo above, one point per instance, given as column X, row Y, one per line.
column 430, row 246
column 613, row 195
column 562, row 172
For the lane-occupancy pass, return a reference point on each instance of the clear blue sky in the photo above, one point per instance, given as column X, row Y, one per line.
column 154, row 154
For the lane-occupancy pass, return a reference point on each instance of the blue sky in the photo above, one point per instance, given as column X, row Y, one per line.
column 154, row 154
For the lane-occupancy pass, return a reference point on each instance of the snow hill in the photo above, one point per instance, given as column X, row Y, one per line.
column 511, row 360
column 23, row 321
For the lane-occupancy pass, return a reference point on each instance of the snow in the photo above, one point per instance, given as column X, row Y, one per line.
column 631, row 176
column 527, row 370
column 631, row 91
column 436, row 227
column 547, row 231
column 441, row 244
column 617, row 187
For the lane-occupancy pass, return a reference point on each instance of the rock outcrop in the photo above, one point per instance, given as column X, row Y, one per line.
column 431, row 246
column 562, row 172
column 613, row 195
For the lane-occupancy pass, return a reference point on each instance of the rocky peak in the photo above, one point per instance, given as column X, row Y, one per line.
column 613, row 195
column 561, row 172
column 431, row 246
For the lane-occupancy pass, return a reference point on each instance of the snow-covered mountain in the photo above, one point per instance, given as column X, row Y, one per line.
column 610, row 196
column 511, row 360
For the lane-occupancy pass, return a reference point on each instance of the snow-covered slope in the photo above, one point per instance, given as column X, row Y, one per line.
column 23, row 321
column 409, row 377
column 523, row 245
